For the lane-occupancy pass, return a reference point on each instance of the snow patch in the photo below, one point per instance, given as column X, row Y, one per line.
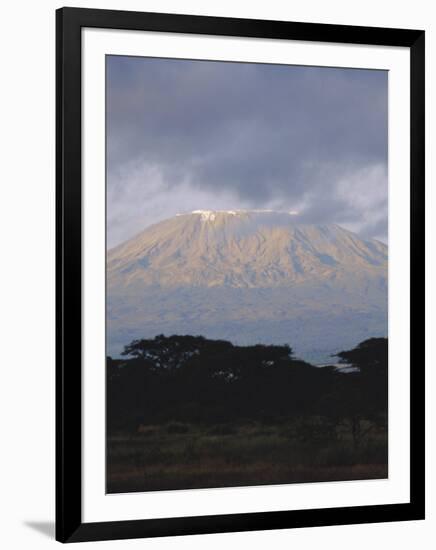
column 210, row 215
column 206, row 215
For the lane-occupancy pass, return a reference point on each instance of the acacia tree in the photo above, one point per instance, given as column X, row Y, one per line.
column 370, row 357
column 172, row 352
column 360, row 398
column 196, row 379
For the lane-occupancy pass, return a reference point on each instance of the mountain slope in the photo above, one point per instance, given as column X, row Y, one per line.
column 248, row 276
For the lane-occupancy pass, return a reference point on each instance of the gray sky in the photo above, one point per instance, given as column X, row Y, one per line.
column 188, row 135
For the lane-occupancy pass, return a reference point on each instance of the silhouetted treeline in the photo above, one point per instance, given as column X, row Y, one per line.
column 193, row 379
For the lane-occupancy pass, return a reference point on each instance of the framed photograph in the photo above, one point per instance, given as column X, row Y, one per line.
column 240, row 274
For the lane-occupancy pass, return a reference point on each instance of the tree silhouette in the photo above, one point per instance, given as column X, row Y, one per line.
column 360, row 397
column 370, row 356
column 174, row 351
column 194, row 379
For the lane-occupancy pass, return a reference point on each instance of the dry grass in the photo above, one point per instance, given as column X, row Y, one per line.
column 186, row 457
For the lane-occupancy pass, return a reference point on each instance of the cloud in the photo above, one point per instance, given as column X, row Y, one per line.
column 143, row 197
column 185, row 135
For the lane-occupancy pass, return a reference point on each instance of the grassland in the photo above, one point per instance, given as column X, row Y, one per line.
column 185, row 456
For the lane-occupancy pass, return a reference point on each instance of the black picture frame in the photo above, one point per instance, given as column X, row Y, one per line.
column 69, row 525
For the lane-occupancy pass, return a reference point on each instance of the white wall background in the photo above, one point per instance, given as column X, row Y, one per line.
column 27, row 324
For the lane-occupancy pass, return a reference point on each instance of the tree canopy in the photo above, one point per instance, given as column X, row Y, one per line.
column 191, row 378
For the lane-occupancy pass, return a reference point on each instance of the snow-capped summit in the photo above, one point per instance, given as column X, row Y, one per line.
column 212, row 215
column 248, row 276
column 241, row 248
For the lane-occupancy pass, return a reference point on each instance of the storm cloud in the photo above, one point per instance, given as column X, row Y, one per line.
column 185, row 135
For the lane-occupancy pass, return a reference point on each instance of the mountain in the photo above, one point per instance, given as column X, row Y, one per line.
column 249, row 277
